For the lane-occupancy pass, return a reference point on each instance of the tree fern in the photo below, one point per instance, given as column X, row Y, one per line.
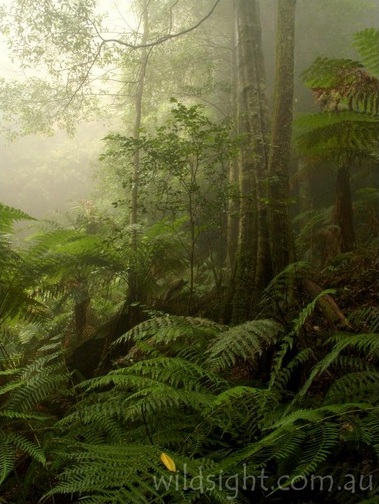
column 336, row 81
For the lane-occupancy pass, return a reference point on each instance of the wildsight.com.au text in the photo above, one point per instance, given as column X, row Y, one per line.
column 234, row 483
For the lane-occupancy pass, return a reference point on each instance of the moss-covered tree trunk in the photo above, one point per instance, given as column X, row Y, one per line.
column 281, row 239
column 251, row 260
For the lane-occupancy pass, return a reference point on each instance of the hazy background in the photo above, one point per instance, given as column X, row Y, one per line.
column 40, row 174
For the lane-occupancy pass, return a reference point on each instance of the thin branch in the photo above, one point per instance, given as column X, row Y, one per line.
column 163, row 39
column 171, row 8
column 84, row 79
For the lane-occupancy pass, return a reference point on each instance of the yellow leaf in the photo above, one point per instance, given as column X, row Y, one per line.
column 168, row 462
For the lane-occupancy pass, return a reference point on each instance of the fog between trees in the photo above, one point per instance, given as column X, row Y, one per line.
column 41, row 174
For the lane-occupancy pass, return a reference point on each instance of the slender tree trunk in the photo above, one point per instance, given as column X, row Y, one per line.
column 252, row 126
column 137, row 124
column 134, row 297
column 281, row 239
column 343, row 210
column 233, row 217
column 263, row 264
column 234, row 201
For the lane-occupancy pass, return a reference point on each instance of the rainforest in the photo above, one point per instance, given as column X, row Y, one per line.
column 189, row 264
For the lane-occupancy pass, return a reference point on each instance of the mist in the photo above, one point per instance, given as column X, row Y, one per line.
column 44, row 173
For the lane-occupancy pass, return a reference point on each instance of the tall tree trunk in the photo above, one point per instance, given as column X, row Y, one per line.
column 137, row 124
column 343, row 210
column 281, row 239
column 233, row 217
column 252, row 126
column 234, row 201
column 134, row 297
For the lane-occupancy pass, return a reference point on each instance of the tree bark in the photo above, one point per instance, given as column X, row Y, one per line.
column 343, row 210
column 134, row 310
column 281, row 239
column 252, row 123
column 137, row 125
column 234, row 201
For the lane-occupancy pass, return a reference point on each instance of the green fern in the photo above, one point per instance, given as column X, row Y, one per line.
column 367, row 318
column 10, row 215
column 337, row 136
column 366, row 42
column 246, row 341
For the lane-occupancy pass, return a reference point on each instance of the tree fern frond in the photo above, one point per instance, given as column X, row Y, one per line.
column 240, row 408
column 325, row 72
column 133, row 473
column 367, row 42
column 176, row 372
column 34, row 383
column 38, row 389
column 10, row 215
column 169, row 328
column 21, row 415
column 366, row 343
column 344, row 80
column 338, row 136
column 246, row 341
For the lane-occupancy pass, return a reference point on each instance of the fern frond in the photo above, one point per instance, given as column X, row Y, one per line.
column 176, row 372
column 133, row 473
column 281, row 375
column 309, row 309
column 320, row 442
column 363, row 386
column 326, row 72
column 279, row 294
column 26, row 446
column 241, row 409
column 367, row 42
column 7, row 457
column 35, row 383
column 367, row 344
column 246, row 341
column 167, row 329
column 366, row 317
column 335, row 81
column 338, row 136
column 10, row 215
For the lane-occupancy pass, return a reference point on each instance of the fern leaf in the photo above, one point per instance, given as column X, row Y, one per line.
column 7, row 457
column 9, row 215
column 246, row 341
column 367, row 42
